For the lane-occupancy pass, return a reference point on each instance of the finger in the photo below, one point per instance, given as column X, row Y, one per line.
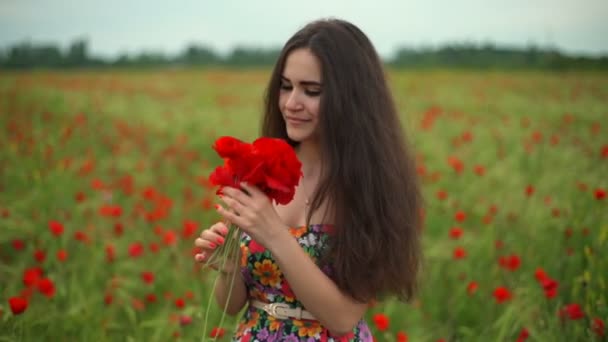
column 238, row 195
column 210, row 241
column 235, row 205
column 253, row 190
column 230, row 216
column 220, row 228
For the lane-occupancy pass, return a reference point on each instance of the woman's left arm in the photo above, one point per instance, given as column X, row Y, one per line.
column 254, row 213
column 320, row 295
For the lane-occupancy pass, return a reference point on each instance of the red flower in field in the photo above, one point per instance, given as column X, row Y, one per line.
column 572, row 311
column 600, row 194
column 441, row 195
column 460, row 216
column 56, row 228
column 217, row 332
column 511, row 262
column 118, row 229
column 456, row 164
column 502, row 294
column 31, row 276
column 39, row 255
column 147, row 277
column 18, row 305
column 169, row 238
column 46, row 287
column 110, row 253
column 18, row 244
column 62, row 255
column 550, row 287
column 136, row 249
column 598, row 327
column 540, row 274
column 81, row 236
column 604, row 152
column 455, row 232
column 529, row 190
column 401, row 336
column 108, row 298
column 180, row 303
column 110, row 210
column 80, row 196
column 523, row 335
column 467, row 136
column 185, row 320
column 189, row 228
column 151, row 298
column 381, row 321
column 472, row 287
column 460, row 253
column 480, row 170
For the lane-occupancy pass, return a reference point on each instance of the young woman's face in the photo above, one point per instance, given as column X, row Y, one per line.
column 300, row 94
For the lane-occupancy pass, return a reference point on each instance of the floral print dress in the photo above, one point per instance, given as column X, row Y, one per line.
column 265, row 282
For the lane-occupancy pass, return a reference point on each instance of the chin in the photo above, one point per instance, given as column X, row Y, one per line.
column 299, row 136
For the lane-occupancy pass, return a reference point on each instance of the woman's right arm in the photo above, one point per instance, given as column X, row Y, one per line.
column 238, row 297
column 234, row 297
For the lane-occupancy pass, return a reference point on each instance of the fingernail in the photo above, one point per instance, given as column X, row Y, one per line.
column 212, row 245
column 224, row 230
column 220, row 240
column 203, row 256
column 217, row 206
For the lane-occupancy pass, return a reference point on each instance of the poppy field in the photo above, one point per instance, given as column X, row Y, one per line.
column 104, row 187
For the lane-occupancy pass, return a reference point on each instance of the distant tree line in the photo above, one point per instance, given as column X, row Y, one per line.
column 26, row 55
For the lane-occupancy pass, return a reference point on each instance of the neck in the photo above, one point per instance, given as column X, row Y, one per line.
column 310, row 156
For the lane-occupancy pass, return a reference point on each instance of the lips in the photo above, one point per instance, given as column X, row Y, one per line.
column 296, row 120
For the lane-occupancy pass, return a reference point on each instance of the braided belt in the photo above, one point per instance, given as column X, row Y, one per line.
column 282, row 310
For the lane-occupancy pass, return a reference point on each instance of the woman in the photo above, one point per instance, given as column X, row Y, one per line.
column 350, row 236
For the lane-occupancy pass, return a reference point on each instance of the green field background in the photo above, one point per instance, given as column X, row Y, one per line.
column 517, row 162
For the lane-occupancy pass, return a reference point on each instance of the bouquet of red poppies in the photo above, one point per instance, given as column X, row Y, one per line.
column 269, row 164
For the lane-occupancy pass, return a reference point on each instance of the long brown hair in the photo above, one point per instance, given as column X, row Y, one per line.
column 368, row 173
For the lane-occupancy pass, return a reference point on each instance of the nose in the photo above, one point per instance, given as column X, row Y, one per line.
column 293, row 102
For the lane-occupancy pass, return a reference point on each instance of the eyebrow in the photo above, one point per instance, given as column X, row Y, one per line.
column 305, row 83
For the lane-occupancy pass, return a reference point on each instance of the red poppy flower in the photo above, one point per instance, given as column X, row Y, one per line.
column 460, row 216
column 523, row 335
column 147, row 277
column 268, row 163
column 472, row 287
column 572, row 311
column 460, row 253
column 502, row 294
column 31, row 276
column 62, row 255
column 136, row 249
column 180, row 303
column 600, row 194
column 511, row 262
column 455, row 232
column 529, row 190
column 217, row 332
column 189, row 228
column 46, row 287
column 401, row 336
column 18, row 244
column 381, row 321
column 18, row 305
column 56, row 228
column 598, row 327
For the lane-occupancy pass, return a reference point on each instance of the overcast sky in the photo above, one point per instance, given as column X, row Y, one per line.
column 128, row 26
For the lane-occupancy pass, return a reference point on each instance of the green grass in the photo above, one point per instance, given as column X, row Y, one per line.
column 106, row 137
